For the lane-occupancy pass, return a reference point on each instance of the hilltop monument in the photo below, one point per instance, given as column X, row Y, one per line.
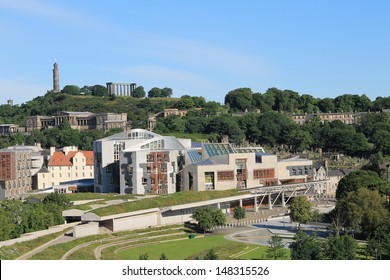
column 56, row 78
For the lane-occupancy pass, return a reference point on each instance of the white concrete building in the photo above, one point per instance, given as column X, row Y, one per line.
column 138, row 162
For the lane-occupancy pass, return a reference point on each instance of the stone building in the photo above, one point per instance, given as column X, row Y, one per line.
column 56, row 78
column 66, row 165
column 8, row 129
column 121, row 89
column 18, row 165
column 80, row 121
column 352, row 118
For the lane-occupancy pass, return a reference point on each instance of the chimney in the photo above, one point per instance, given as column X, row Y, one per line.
column 52, row 151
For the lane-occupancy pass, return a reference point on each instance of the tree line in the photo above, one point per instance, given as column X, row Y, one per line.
column 243, row 99
column 17, row 217
column 99, row 90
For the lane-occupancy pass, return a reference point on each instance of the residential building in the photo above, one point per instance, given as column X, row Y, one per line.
column 66, row 165
column 18, row 165
column 80, row 121
column 345, row 117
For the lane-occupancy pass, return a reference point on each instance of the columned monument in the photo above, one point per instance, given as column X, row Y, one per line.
column 121, row 89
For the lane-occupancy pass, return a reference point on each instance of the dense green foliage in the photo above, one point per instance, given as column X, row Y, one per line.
column 334, row 247
column 301, row 210
column 18, row 217
column 266, row 121
column 239, row 213
column 364, row 210
column 208, row 217
column 306, row 247
column 275, row 249
column 362, row 178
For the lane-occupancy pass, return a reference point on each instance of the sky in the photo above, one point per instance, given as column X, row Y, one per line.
column 199, row 48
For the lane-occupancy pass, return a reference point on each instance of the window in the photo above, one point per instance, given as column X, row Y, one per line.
column 263, row 173
column 225, row 175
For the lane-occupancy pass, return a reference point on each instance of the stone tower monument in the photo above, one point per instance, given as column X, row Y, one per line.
column 56, row 78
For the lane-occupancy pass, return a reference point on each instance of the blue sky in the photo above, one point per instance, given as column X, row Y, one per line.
column 199, row 48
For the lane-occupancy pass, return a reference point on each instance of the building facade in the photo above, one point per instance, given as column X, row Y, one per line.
column 138, row 162
column 143, row 162
column 15, row 173
column 68, row 164
column 8, row 129
column 352, row 118
column 80, row 121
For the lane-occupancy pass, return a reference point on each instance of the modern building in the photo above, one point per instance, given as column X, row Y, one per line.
column 66, row 165
column 138, row 162
column 223, row 166
column 142, row 162
column 80, row 121
column 15, row 172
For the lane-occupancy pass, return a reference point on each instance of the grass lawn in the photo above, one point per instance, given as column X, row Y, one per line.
column 191, row 248
column 14, row 251
column 164, row 201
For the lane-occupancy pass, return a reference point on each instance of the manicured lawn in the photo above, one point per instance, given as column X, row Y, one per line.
column 190, row 248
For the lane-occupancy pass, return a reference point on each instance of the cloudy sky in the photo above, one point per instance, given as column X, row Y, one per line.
column 199, row 48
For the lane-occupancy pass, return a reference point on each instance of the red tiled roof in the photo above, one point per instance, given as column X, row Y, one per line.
column 60, row 159
column 88, row 157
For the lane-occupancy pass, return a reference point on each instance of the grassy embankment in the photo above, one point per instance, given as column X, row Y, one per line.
column 164, row 201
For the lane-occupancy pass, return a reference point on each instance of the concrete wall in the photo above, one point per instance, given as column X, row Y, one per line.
column 136, row 222
column 175, row 217
column 36, row 234
column 82, row 230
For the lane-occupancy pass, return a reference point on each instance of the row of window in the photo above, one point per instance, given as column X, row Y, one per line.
column 229, row 175
column 69, row 175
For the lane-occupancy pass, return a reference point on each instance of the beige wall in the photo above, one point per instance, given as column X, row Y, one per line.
column 60, row 174
column 91, row 228
column 267, row 162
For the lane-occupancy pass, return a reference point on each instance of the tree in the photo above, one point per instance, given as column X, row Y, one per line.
column 163, row 256
column 364, row 210
column 211, row 255
column 337, row 220
column 144, row 256
column 71, row 89
column 275, row 249
column 208, row 217
column 154, row 92
column 306, row 247
column 378, row 243
column 340, row 247
column 61, row 200
column 300, row 210
column 139, row 92
column 99, row 90
column 362, row 178
column 239, row 99
column 166, row 92
column 239, row 213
